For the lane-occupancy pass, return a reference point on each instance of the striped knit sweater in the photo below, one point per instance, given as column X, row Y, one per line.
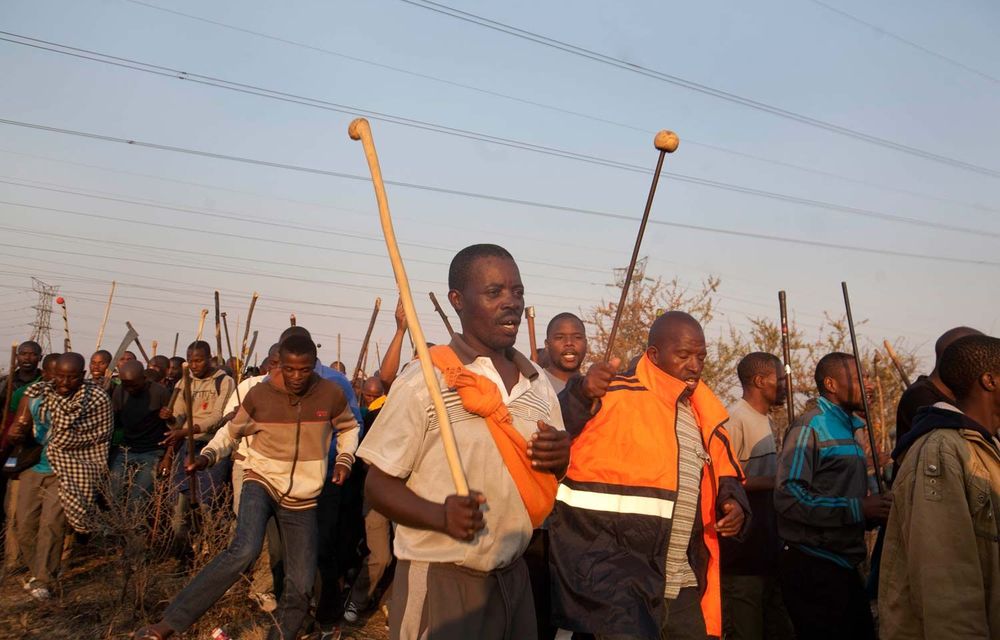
column 291, row 438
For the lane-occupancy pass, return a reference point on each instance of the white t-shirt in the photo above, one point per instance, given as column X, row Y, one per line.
column 405, row 442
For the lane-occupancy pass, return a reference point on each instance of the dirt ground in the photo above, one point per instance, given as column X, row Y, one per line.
column 89, row 605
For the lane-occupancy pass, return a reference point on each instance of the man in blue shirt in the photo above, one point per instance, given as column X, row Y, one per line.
column 824, row 508
column 40, row 521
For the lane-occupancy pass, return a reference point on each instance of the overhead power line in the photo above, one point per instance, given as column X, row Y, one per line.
column 558, row 109
column 728, row 96
column 909, row 43
column 471, row 135
column 507, row 200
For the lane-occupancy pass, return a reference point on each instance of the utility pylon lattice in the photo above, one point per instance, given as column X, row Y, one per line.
column 41, row 327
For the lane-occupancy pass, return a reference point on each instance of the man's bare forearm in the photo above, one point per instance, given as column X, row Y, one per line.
column 392, row 498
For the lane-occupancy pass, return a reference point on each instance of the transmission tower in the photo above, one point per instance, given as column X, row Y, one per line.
column 41, row 329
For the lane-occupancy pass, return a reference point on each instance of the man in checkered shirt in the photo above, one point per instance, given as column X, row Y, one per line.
column 81, row 422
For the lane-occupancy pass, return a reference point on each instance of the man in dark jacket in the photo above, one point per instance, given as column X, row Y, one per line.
column 137, row 403
column 927, row 390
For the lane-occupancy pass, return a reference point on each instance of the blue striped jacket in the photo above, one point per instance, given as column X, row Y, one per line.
column 822, row 479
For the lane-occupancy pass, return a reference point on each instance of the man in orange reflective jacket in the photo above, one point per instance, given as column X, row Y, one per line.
column 652, row 484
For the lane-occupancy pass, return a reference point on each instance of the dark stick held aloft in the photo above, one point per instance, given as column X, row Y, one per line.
column 368, row 336
column 440, row 311
column 786, row 350
column 864, row 395
column 666, row 142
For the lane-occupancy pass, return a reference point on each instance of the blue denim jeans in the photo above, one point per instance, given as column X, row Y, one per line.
column 139, row 469
column 299, row 538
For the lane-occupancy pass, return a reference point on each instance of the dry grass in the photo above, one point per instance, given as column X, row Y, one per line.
column 125, row 576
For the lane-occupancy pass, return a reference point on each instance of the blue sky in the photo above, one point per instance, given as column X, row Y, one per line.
column 794, row 54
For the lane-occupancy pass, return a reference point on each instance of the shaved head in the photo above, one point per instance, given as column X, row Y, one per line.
column 131, row 370
column 68, row 377
column 71, row 362
column 669, row 324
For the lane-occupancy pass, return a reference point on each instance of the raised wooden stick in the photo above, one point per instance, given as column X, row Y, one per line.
column 440, row 311
column 529, row 314
column 9, row 389
column 189, row 408
column 368, row 336
column 201, row 324
column 154, row 344
column 177, row 336
column 360, row 130
column 897, row 364
column 880, row 398
column 291, row 320
column 665, row 142
column 218, row 329
column 104, row 322
column 67, row 345
column 246, row 330
column 225, row 327
column 338, row 350
column 253, row 345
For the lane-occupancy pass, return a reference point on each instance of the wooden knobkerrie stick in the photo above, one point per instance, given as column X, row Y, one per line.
column 154, row 344
column 246, row 330
column 104, row 322
column 529, row 313
column 67, row 345
column 665, row 142
column 10, row 387
column 218, row 329
column 189, row 407
column 363, row 354
column 440, row 312
column 291, row 320
column 360, row 130
column 201, row 324
column 897, row 364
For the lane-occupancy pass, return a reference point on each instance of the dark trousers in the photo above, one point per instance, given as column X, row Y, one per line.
column 536, row 557
column 752, row 609
column 341, row 529
column 299, row 538
column 824, row 599
column 685, row 620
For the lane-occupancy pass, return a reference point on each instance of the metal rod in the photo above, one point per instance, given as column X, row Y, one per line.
column 786, row 350
column 864, row 395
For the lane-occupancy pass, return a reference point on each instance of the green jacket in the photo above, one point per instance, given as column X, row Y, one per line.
column 940, row 571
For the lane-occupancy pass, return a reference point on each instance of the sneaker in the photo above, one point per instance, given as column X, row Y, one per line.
column 266, row 601
column 351, row 612
column 40, row 593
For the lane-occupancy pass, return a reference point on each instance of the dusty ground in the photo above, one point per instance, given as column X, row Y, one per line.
column 89, row 606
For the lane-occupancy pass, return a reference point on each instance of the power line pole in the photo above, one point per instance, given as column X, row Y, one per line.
column 41, row 327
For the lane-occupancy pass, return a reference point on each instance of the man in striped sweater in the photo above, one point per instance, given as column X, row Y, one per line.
column 292, row 418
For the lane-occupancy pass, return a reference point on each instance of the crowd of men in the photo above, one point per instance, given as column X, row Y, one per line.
column 614, row 504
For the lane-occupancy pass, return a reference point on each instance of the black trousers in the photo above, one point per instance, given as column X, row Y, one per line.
column 824, row 599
